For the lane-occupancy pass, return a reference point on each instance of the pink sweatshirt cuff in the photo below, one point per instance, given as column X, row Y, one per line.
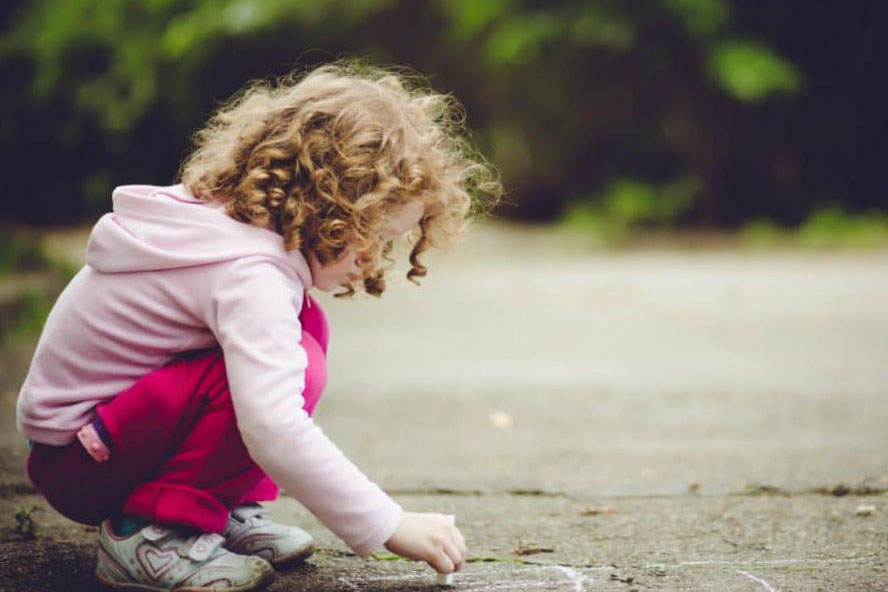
column 93, row 443
column 385, row 531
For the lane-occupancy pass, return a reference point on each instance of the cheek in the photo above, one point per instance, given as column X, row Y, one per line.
column 327, row 277
column 341, row 266
column 347, row 262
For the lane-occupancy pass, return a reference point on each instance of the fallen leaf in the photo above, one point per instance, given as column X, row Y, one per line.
column 597, row 511
column 865, row 510
column 763, row 489
column 522, row 550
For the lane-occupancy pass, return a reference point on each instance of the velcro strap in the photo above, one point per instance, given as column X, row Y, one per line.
column 155, row 532
column 247, row 511
column 204, row 545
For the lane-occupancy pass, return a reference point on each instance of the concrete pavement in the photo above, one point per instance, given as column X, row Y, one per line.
column 647, row 420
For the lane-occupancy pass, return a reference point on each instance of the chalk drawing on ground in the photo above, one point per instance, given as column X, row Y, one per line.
column 563, row 578
column 487, row 580
column 759, row 580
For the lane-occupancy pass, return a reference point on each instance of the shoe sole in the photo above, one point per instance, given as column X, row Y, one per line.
column 296, row 557
column 133, row 587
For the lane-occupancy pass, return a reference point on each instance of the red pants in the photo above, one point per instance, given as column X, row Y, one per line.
column 176, row 453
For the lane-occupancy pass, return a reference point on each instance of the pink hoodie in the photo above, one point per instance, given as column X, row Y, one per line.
column 164, row 274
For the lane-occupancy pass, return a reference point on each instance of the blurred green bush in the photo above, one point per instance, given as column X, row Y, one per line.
column 20, row 253
column 568, row 98
column 828, row 228
column 627, row 205
column 30, row 281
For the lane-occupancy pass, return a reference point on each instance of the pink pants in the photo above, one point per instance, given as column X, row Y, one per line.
column 176, row 453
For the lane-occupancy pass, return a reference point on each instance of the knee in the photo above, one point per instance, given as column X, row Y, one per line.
column 53, row 472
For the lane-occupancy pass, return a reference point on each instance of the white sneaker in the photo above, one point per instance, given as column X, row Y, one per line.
column 158, row 558
column 248, row 533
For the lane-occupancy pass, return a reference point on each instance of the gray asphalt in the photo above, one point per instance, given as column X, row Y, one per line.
column 645, row 420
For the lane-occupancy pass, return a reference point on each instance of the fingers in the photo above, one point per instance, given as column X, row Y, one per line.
column 441, row 561
column 447, row 558
column 460, row 545
column 453, row 553
column 433, row 538
column 453, row 547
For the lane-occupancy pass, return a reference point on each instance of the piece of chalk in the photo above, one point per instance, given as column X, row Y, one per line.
column 444, row 579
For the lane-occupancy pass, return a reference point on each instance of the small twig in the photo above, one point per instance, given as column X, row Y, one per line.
column 522, row 550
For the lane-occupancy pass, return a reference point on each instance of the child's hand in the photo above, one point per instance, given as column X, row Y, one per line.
column 432, row 538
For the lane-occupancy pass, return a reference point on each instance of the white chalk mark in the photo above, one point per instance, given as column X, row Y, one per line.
column 351, row 585
column 507, row 586
column 754, row 578
column 578, row 579
column 478, row 580
column 400, row 577
column 765, row 562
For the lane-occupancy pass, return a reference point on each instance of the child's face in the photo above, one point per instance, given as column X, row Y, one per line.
column 345, row 269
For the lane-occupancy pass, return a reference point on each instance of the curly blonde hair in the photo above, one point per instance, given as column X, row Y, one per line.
column 324, row 158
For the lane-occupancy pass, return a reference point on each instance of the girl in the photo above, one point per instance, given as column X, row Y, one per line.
column 173, row 385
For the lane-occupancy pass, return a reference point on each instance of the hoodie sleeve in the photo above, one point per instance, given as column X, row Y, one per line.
column 255, row 319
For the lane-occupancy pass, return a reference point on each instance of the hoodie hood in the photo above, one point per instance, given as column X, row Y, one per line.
column 155, row 228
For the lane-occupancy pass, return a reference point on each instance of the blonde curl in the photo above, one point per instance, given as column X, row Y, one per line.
column 325, row 157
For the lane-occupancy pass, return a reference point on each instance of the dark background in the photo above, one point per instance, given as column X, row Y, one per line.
column 659, row 113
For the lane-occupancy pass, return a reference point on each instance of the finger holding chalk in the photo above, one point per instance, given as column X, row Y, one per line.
column 460, row 543
column 446, row 579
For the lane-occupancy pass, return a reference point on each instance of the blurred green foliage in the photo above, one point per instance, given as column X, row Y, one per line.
column 19, row 252
column 25, row 315
column 763, row 234
column 32, row 279
column 111, row 54
column 701, row 18
column 827, row 228
column 627, row 206
column 606, row 99
column 26, row 524
column 833, row 227
column 751, row 72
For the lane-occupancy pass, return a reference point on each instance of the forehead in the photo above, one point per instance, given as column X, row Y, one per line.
column 405, row 217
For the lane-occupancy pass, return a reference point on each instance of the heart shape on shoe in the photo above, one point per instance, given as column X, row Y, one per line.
column 155, row 561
